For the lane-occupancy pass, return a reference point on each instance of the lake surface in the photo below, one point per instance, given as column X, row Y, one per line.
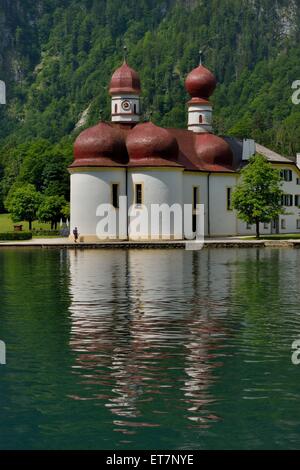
column 149, row 349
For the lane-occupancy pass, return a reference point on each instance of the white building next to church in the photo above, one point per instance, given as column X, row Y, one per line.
column 152, row 165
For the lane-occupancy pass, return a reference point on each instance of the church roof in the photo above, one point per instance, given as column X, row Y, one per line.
column 125, row 80
column 147, row 145
column 114, row 145
column 200, row 83
column 203, row 151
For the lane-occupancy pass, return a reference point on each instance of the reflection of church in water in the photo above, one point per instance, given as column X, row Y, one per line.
column 130, row 337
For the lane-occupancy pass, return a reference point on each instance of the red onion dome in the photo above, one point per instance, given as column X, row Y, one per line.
column 200, row 83
column 213, row 150
column 125, row 80
column 102, row 144
column 148, row 141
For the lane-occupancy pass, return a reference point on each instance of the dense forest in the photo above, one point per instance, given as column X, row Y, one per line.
column 57, row 57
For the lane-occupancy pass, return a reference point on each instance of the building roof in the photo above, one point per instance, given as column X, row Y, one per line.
column 125, row 80
column 148, row 145
column 237, row 150
column 200, row 82
column 145, row 144
column 272, row 156
column 112, row 144
column 100, row 145
column 203, row 152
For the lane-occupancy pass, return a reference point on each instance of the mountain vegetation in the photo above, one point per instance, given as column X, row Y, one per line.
column 57, row 57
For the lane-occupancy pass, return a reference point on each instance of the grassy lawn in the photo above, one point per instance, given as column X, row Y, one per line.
column 6, row 224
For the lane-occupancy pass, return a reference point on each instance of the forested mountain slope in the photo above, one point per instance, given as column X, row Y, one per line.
column 57, row 57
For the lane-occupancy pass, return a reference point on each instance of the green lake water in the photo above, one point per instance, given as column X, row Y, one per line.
column 149, row 349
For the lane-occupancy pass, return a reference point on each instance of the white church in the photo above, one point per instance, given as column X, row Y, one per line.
column 153, row 165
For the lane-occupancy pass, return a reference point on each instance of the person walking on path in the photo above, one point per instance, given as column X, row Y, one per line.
column 75, row 233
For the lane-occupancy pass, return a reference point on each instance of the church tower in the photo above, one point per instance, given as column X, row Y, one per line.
column 200, row 84
column 125, row 90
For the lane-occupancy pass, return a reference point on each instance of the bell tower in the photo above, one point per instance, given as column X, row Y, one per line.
column 200, row 84
column 125, row 90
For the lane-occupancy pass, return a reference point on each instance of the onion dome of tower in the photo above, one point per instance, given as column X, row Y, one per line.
column 200, row 83
column 100, row 145
column 213, row 150
column 125, row 80
column 148, row 142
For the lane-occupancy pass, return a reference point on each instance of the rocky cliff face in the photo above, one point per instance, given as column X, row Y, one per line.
column 21, row 34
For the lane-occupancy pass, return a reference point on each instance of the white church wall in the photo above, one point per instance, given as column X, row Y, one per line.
column 199, row 180
column 163, row 185
column 222, row 221
column 89, row 189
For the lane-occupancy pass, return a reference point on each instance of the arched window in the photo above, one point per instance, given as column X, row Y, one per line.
column 135, row 109
column 200, row 119
column 116, row 108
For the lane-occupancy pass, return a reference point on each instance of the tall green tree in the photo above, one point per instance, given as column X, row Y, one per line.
column 23, row 203
column 52, row 209
column 257, row 197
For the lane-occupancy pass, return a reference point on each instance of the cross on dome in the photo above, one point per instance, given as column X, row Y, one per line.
column 200, row 58
column 125, row 53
